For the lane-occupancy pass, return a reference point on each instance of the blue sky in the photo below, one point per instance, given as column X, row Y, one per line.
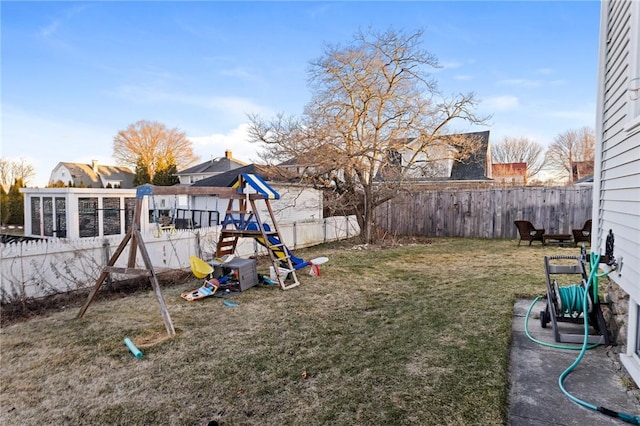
column 75, row 73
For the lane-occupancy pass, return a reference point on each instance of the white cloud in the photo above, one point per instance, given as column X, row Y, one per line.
column 500, row 103
column 231, row 106
column 50, row 29
column 545, row 71
column 578, row 117
column 463, row 77
column 529, row 83
column 238, row 72
column 447, row 65
column 236, row 141
column 520, row 82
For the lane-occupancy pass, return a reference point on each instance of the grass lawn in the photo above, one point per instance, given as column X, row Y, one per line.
column 415, row 334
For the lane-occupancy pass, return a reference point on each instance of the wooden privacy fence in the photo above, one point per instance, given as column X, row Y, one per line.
column 485, row 213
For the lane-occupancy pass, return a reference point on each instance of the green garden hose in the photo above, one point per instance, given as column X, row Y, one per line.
column 571, row 296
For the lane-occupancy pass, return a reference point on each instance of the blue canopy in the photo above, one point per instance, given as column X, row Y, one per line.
column 258, row 184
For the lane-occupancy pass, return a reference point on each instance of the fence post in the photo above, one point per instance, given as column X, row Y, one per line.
column 295, row 236
column 324, row 230
column 105, row 257
column 347, row 220
column 198, row 248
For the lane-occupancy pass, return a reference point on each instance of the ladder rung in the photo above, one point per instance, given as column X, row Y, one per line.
column 287, row 287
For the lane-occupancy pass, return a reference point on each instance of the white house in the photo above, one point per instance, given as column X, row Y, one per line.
column 97, row 212
column 213, row 167
column 92, row 175
column 616, row 195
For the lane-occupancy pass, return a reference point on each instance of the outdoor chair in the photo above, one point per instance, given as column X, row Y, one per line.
column 528, row 232
column 582, row 235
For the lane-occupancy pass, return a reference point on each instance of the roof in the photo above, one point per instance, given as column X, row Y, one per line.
column 86, row 175
column 228, row 178
column 216, row 165
column 475, row 167
column 586, row 179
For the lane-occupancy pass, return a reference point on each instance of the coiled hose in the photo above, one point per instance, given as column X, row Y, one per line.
column 573, row 298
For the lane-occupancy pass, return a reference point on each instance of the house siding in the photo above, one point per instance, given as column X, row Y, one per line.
column 617, row 170
column 296, row 204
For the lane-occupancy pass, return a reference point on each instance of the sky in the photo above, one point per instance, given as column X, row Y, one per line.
column 73, row 74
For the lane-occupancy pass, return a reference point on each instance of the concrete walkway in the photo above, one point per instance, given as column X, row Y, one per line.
column 535, row 397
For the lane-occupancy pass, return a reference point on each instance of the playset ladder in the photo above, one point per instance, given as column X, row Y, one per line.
column 241, row 213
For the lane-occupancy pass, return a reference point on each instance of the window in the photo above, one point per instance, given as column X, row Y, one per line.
column 60, row 212
column 111, row 216
column 35, row 216
column 47, row 216
column 129, row 209
column 395, row 158
column 88, row 217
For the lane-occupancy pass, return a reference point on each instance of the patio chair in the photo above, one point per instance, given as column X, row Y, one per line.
column 528, row 232
column 582, row 235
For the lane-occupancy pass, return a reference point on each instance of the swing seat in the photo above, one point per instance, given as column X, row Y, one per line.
column 199, row 267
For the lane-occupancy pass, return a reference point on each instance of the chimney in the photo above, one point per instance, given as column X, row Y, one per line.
column 94, row 166
column 227, row 154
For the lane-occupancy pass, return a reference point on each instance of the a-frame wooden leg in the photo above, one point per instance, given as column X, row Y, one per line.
column 154, row 283
column 104, row 274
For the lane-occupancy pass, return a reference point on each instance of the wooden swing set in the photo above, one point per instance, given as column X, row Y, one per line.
column 226, row 244
column 137, row 244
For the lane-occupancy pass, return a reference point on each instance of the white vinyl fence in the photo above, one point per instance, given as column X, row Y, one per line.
column 35, row 269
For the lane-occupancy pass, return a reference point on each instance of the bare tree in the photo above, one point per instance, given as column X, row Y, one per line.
column 519, row 150
column 12, row 170
column 570, row 149
column 374, row 121
column 154, row 145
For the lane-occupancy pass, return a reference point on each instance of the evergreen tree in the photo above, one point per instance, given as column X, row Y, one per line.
column 142, row 173
column 16, row 203
column 4, row 206
column 167, row 176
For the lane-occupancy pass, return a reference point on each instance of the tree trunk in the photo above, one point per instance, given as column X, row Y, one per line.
column 366, row 228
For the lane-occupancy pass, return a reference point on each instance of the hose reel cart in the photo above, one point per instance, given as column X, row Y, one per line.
column 564, row 303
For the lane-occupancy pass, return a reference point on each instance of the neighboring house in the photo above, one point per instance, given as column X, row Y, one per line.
column 581, row 170
column 478, row 165
column 95, row 212
column 89, row 209
column 92, row 175
column 435, row 163
column 616, row 185
column 510, row 173
column 438, row 161
column 213, row 167
column 298, row 202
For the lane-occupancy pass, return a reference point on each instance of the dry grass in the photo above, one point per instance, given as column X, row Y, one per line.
column 415, row 334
